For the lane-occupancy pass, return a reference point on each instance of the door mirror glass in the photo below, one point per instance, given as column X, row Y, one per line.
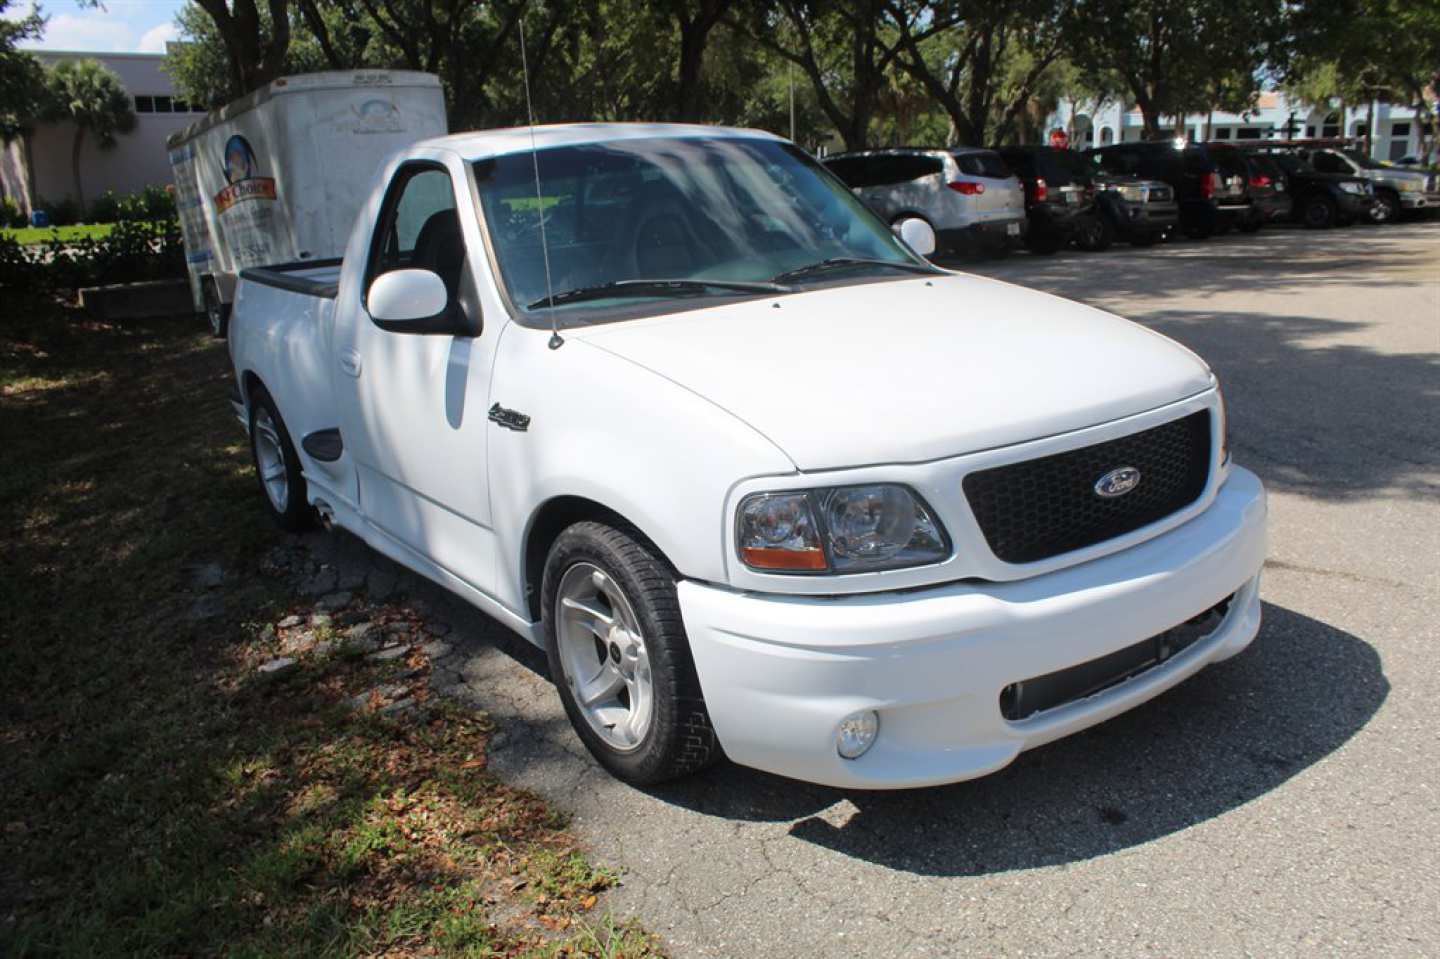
column 407, row 297
column 916, row 234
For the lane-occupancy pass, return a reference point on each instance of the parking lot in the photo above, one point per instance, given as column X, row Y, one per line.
column 1283, row 802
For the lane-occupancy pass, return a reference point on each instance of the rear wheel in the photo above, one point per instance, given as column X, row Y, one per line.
column 1318, row 212
column 619, row 655
column 217, row 312
column 277, row 466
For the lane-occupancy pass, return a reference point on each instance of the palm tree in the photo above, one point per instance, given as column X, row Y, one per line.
column 89, row 94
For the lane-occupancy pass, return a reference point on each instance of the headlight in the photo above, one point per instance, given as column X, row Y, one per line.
column 1411, row 186
column 1134, row 194
column 843, row 529
column 1350, row 186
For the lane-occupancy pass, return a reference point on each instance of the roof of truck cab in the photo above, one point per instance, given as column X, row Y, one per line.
column 487, row 143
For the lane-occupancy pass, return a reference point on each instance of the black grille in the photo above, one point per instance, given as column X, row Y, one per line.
column 1039, row 693
column 1043, row 507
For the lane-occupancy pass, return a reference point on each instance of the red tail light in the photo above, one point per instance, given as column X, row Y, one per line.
column 1041, row 190
column 1260, row 180
column 968, row 189
column 1209, row 183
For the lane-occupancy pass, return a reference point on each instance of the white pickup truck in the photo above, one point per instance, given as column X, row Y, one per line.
column 761, row 480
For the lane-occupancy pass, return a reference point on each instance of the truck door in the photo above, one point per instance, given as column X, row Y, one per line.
column 413, row 405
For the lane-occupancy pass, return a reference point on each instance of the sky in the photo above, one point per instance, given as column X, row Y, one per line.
column 120, row 26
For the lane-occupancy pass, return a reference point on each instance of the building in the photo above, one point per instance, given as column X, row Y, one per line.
column 1396, row 134
column 37, row 170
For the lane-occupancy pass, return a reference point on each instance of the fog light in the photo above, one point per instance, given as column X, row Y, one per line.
column 857, row 733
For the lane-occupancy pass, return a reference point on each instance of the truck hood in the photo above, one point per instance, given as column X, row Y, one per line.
column 910, row 370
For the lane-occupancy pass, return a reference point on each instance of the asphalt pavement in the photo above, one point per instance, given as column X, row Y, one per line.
column 1284, row 802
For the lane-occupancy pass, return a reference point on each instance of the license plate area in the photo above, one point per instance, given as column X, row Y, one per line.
column 1012, row 229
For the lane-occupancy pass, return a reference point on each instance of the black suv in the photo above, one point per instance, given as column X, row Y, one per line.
column 1321, row 200
column 1209, row 202
column 1059, row 198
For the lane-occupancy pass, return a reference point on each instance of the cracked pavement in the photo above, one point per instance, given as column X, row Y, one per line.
column 1281, row 803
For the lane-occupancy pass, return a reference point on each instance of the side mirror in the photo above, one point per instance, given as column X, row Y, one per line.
column 410, row 301
column 916, row 234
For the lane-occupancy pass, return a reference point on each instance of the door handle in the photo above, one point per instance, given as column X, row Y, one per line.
column 350, row 363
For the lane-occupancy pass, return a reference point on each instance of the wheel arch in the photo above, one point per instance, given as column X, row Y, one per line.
column 553, row 517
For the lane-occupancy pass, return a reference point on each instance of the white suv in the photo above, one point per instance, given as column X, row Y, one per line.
column 968, row 196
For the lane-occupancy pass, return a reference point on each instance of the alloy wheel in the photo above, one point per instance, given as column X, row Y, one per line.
column 603, row 656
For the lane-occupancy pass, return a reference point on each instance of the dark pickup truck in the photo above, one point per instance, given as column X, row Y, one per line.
column 1059, row 198
column 1320, row 200
column 1210, row 201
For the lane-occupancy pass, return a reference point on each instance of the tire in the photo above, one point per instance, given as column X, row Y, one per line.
column 1318, row 212
column 1387, row 207
column 216, row 311
column 601, row 584
column 277, row 463
column 1096, row 234
column 1199, row 230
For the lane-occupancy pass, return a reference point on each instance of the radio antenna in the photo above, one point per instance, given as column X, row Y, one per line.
column 556, row 340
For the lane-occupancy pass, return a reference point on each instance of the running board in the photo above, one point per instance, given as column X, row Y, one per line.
column 324, row 445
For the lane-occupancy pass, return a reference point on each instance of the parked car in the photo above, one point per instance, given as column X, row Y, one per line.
column 1059, row 198
column 969, row 197
column 1268, row 191
column 1142, row 212
column 1263, row 191
column 1320, row 200
column 1209, row 203
column 1396, row 191
column 757, row 477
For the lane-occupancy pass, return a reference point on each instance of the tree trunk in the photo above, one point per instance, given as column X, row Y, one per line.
column 1210, row 125
column 1369, row 126
column 692, row 58
column 75, row 170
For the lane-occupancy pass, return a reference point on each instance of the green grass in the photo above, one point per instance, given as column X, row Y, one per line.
column 31, row 235
column 158, row 795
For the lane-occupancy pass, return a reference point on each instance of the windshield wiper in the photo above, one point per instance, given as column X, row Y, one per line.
column 836, row 262
column 623, row 288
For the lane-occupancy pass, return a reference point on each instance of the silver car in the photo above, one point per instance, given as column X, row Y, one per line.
column 968, row 196
column 1396, row 189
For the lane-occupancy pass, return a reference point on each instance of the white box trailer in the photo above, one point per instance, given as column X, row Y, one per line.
column 278, row 175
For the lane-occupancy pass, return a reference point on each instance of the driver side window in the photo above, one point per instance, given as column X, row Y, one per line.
column 420, row 227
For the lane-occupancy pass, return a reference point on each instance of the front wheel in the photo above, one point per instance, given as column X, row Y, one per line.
column 1386, row 208
column 619, row 656
column 1095, row 235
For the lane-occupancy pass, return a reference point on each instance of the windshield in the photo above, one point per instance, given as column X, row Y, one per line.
column 727, row 211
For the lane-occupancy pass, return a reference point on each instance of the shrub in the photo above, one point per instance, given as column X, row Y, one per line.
column 151, row 203
column 62, row 212
column 129, row 253
column 10, row 213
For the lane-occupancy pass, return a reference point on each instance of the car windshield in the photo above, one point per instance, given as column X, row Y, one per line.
column 710, row 217
column 1072, row 164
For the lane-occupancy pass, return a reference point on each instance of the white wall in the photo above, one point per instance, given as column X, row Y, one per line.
column 137, row 161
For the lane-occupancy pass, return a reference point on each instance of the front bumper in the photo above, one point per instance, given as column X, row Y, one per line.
column 780, row 672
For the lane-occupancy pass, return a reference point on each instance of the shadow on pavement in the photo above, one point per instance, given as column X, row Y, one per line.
column 1225, row 737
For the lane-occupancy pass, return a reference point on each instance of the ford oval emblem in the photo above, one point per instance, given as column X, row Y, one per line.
column 1117, row 482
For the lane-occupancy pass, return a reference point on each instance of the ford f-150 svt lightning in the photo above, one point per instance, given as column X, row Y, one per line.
column 673, row 404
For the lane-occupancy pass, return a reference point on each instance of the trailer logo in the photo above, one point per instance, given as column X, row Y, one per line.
column 240, row 173
column 377, row 116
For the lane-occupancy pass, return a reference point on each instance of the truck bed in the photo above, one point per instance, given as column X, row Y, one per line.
column 308, row 277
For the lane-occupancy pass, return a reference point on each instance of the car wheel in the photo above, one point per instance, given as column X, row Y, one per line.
column 1095, row 235
column 619, row 656
column 1318, row 212
column 216, row 311
column 277, row 466
column 1386, row 208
